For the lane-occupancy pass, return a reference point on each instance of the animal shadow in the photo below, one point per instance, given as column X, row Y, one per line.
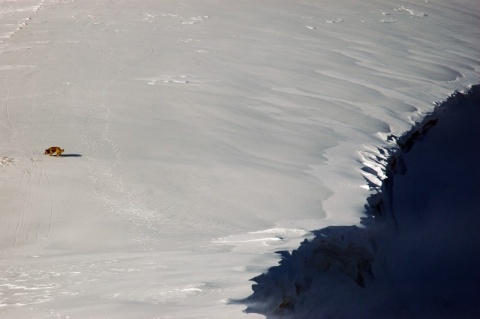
column 71, row 155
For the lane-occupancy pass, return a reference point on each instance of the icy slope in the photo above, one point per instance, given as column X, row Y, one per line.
column 201, row 137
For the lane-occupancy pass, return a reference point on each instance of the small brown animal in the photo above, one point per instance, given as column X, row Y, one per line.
column 54, row 150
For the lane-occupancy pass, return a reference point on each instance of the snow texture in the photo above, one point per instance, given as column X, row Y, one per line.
column 417, row 255
column 201, row 137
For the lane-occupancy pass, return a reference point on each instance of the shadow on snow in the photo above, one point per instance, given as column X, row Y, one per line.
column 384, row 268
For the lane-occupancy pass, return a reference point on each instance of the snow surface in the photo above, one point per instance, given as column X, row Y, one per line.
column 200, row 138
column 417, row 255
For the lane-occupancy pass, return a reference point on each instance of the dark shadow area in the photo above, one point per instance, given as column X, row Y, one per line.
column 417, row 251
column 71, row 155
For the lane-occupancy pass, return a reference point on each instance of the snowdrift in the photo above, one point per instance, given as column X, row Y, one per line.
column 417, row 253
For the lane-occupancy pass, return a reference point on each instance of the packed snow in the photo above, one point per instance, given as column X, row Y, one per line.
column 201, row 137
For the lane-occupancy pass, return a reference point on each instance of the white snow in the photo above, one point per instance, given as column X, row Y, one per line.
column 417, row 255
column 200, row 138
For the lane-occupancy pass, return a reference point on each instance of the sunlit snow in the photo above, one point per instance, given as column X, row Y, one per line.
column 200, row 138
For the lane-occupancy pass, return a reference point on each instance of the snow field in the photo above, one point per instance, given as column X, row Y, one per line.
column 200, row 138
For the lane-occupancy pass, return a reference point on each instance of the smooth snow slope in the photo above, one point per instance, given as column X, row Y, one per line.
column 200, row 138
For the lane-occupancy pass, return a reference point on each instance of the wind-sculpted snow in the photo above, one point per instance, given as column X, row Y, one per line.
column 417, row 253
column 200, row 138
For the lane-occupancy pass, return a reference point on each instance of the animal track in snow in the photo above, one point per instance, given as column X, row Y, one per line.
column 7, row 161
column 337, row 20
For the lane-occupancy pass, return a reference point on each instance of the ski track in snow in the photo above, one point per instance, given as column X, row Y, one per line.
column 23, row 223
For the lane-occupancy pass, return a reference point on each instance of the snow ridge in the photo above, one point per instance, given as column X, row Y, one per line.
column 341, row 272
